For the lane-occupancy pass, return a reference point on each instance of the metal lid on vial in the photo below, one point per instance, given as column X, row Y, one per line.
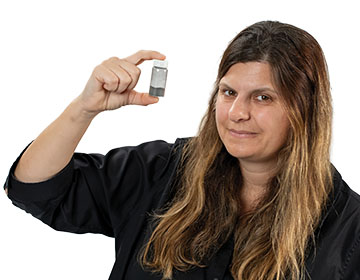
column 160, row 63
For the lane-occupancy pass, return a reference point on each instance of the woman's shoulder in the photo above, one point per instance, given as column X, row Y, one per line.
column 157, row 146
column 338, row 235
column 155, row 157
column 147, row 152
column 345, row 198
column 343, row 241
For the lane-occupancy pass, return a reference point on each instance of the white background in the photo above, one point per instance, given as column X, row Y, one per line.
column 49, row 48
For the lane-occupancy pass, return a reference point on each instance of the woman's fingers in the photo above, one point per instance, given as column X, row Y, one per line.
column 140, row 56
column 127, row 73
column 112, row 82
column 137, row 98
column 121, row 80
column 107, row 78
column 133, row 71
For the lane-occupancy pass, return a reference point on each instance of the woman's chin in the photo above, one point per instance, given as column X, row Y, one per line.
column 241, row 155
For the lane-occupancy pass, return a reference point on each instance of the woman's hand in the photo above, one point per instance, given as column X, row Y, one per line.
column 112, row 83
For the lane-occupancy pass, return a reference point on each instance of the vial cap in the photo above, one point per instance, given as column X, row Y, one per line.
column 160, row 63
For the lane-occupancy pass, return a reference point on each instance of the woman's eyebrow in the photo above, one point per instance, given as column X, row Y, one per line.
column 264, row 89
column 257, row 90
column 226, row 85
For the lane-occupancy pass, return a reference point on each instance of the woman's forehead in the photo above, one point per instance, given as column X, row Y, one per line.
column 249, row 74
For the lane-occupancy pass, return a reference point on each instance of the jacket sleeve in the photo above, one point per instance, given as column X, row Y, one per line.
column 94, row 193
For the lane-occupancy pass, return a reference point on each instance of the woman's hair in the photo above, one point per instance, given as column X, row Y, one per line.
column 272, row 241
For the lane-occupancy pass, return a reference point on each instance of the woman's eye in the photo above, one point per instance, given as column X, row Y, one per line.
column 228, row 92
column 262, row 98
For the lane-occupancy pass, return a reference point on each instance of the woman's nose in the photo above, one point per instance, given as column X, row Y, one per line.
column 239, row 110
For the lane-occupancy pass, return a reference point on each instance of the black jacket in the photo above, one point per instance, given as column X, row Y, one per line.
column 114, row 194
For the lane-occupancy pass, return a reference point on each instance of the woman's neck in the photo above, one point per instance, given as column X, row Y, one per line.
column 256, row 177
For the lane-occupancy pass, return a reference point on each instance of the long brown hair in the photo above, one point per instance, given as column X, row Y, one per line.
column 271, row 241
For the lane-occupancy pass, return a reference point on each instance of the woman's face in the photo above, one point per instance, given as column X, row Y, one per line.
column 250, row 118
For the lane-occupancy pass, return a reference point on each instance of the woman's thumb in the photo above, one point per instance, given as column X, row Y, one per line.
column 144, row 99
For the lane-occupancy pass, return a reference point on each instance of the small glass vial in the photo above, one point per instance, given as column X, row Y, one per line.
column 158, row 78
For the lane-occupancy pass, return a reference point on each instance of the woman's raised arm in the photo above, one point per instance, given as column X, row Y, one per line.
column 110, row 87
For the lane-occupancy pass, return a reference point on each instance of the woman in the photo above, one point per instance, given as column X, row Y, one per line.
column 253, row 196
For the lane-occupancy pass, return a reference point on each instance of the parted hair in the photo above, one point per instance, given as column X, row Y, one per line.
column 273, row 240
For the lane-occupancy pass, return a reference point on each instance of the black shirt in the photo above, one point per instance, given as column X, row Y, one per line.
column 114, row 194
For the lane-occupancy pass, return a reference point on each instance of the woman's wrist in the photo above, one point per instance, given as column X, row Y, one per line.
column 79, row 112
